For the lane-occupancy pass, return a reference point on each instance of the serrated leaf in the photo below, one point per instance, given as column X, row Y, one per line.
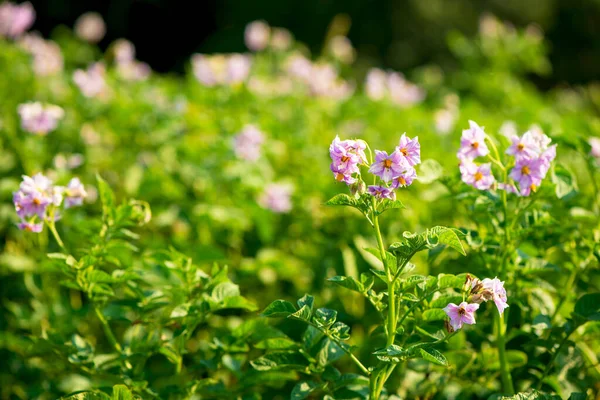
column 432, row 355
column 303, row 389
column 279, row 309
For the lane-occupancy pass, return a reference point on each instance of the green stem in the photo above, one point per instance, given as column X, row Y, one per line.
column 52, row 228
column 507, row 383
column 107, row 331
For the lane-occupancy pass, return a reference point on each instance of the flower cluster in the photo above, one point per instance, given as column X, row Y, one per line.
column 221, row 69
column 91, row 82
column 248, row 142
column 380, row 84
column 15, row 19
column 277, row 198
column 395, row 170
column 47, row 57
column 321, row 79
column 532, row 154
column 479, row 292
column 39, row 119
column 37, row 200
column 258, row 35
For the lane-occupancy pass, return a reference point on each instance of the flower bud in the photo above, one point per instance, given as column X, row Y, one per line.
column 358, row 188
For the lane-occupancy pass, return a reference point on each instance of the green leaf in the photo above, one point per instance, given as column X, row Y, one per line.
column 432, row 355
column 446, row 281
column 348, row 283
column 341, row 200
column 121, row 392
column 412, row 243
column 107, row 197
column 224, row 290
column 279, row 309
column 531, row 395
column 308, row 301
column 565, row 182
column 340, row 331
column 303, row 389
column 280, row 360
column 578, row 396
column 391, row 354
column 324, row 317
column 389, row 205
column 302, row 314
column 588, row 307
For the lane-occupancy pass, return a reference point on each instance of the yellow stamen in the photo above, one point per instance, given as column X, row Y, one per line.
column 402, row 181
column 387, row 163
column 345, row 158
column 478, row 176
column 475, row 145
column 339, row 177
column 533, row 187
column 525, row 170
column 404, row 152
column 520, row 147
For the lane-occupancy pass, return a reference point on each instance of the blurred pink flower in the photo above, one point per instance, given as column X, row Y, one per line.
column 91, row 82
column 277, row 198
column 38, row 118
column 15, row 19
column 257, row 35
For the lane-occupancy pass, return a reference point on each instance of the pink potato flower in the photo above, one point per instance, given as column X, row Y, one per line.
column 277, row 198
column 247, row 144
column 410, row 149
column 257, row 35
column 463, row 313
column 15, row 19
column 478, row 176
column 496, row 286
column 388, row 166
column 472, row 143
column 381, row 192
column 595, row 145
column 40, row 119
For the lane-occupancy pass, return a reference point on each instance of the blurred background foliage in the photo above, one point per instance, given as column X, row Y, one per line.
column 398, row 34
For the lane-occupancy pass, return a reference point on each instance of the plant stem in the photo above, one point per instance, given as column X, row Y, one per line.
column 107, row 331
column 507, row 383
column 52, row 228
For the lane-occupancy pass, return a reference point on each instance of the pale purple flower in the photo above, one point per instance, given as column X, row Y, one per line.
column 403, row 92
column 91, row 82
column 238, row 68
column 123, row 50
column 277, row 198
column 47, row 56
column 540, row 138
column 376, row 84
column 508, row 129
column 496, row 286
column 478, row 176
column 256, row 35
column 134, row 70
column 528, row 173
column 221, row 69
column 595, row 144
column 90, row 27
column 74, row 193
column 405, row 179
column 381, row 192
column 299, row 67
column 15, row 19
column 247, row 144
column 410, row 150
column 463, row 313
column 444, row 120
column 547, row 157
column 524, row 146
column 34, row 196
column 388, row 166
column 31, row 226
column 346, row 156
column 38, row 118
column 472, row 143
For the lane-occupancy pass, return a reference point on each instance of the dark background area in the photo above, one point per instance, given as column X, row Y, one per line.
column 398, row 34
